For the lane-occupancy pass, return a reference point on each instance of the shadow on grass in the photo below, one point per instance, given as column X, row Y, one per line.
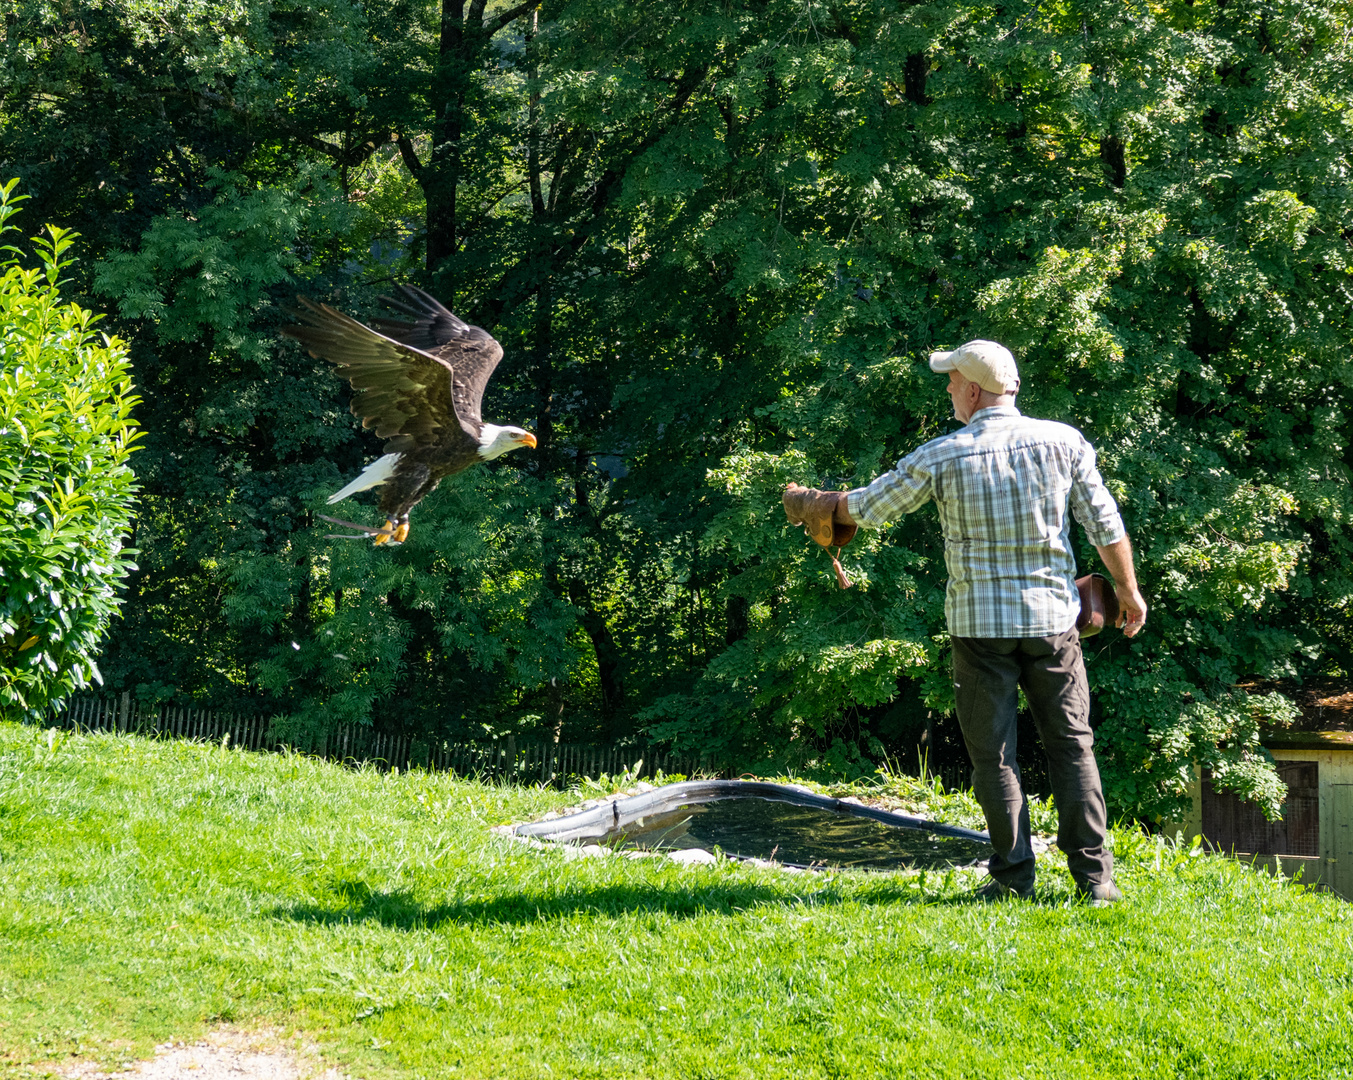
column 355, row 902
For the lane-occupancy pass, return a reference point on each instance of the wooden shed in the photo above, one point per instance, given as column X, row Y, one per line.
column 1315, row 836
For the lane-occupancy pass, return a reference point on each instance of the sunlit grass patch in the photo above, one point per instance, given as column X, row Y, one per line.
column 149, row 890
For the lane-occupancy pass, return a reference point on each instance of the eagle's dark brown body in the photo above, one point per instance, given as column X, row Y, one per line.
column 417, row 384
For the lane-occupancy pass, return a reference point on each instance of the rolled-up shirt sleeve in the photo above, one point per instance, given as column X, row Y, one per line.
column 1091, row 503
column 908, row 487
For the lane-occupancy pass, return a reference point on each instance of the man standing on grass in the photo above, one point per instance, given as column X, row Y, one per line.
column 1003, row 485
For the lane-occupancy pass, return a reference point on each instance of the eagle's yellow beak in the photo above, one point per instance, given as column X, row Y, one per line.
column 527, row 439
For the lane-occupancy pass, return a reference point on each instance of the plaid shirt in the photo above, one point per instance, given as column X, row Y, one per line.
column 1002, row 485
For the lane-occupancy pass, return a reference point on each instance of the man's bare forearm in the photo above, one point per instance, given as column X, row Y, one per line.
column 1117, row 558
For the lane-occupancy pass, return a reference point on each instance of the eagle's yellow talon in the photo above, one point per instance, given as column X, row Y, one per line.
column 401, row 533
column 381, row 538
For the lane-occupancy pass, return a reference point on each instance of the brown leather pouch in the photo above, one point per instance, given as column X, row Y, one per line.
column 1099, row 605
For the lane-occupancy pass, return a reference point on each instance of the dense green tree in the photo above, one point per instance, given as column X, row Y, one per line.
column 717, row 242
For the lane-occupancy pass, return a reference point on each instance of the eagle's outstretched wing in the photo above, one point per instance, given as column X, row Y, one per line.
column 402, row 392
column 470, row 352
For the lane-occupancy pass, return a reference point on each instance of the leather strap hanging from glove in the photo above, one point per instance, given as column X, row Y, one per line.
column 816, row 511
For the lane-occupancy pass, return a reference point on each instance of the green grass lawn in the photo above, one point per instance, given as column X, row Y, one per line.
column 149, row 890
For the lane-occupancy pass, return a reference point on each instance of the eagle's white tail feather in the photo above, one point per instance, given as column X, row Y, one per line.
column 375, row 474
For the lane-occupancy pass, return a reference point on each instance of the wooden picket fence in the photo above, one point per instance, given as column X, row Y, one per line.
column 503, row 759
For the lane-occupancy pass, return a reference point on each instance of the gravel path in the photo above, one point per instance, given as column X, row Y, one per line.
column 226, row 1054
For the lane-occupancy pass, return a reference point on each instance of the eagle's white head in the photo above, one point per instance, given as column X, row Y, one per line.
column 495, row 440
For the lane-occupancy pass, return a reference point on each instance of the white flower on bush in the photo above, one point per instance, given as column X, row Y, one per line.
column 25, row 508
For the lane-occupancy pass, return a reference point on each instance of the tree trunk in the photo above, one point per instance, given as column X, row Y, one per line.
column 737, row 612
column 1113, row 157
column 439, row 178
column 914, row 74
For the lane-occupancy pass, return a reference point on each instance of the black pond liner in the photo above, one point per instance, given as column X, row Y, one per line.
column 748, row 819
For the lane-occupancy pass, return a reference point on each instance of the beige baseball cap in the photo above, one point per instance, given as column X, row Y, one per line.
column 986, row 363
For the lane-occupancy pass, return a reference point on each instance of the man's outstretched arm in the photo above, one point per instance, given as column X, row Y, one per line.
column 1132, row 608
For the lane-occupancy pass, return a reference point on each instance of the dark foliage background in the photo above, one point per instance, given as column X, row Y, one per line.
column 717, row 241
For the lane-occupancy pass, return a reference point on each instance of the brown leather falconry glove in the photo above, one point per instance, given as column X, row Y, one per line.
column 815, row 510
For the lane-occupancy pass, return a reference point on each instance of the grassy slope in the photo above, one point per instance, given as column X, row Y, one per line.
column 149, row 889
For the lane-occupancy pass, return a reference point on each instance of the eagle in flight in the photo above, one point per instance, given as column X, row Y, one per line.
column 419, row 385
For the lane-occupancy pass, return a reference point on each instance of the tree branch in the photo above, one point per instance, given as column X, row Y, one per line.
column 411, row 161
column 606, row 189
column 498, row 22
column 355, row 154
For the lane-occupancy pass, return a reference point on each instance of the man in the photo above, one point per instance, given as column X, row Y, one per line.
column 1003, row 485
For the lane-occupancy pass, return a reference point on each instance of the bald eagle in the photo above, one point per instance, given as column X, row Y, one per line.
column 419, row 385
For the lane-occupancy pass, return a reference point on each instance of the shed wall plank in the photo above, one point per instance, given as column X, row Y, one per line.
column 1341, row 834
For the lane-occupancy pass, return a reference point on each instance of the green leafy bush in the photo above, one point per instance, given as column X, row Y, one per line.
column 66, row 491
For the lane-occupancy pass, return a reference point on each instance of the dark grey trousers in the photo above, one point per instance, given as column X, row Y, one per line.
column 1051, row 670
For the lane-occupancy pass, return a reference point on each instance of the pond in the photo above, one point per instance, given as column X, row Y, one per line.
column 770, row 821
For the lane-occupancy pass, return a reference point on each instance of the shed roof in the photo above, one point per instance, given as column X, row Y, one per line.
column 1283, row 739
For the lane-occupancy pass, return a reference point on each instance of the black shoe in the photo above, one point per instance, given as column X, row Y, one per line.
column 1100, row 895
column 993, row 891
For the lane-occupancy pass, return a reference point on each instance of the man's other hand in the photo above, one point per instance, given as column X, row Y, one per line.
column 1131, row 609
